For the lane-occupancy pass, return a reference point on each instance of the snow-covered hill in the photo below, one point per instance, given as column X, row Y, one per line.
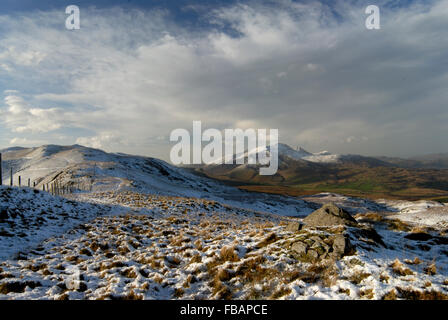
column 83, row 168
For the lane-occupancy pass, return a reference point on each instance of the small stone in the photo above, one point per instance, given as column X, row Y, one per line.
column 294, row 226
column 313, row 254
column 319, row 249
column 299, row 247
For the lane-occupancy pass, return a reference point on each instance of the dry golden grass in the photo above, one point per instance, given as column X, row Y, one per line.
column 224, row 275
column 324, row 272
column 158, row 279
column 412, row 294
column 358, row 276
column 228, row 253
column 198, row 244
column 178, row 292
column 270, row 238
column 391, row 295
column 366, row 293
column 369, row 216
column 398, row 225
column 37, row 267
column 129, row 273
column 6, row 275
column 280, row 292
column 384, row 278
column 196, row 259
column 224, row 294
column 419, row 229
column 400, row 269
column 431, row 269
column 414, row 262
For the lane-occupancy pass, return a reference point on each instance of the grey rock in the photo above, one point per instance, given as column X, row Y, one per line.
column 329, row 215
column 294, row 226
column 314, row 255
column 299, row 248
column 342, row 246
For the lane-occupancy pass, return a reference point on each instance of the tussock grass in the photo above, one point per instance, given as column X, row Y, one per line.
column 228, row 253
column 271, row 238
column 344, row 290
column 358, row 276
column 431, row 269
column 413, row 262
column 398, row 225
column 412, row 294
column 366, row 293
column 280, row 292
column 391, row 295
column 399, row 269
column 369, row 217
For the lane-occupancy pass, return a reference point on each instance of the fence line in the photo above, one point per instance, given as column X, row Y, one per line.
column 55, row 187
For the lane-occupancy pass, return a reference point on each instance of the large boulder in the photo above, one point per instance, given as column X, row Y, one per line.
column 329, row 215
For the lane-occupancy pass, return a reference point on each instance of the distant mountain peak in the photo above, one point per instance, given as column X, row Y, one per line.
column 301, row 154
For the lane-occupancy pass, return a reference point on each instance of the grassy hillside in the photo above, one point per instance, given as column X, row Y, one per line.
column 298, row 178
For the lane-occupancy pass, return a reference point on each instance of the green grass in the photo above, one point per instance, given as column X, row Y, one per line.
column 350, row 180
column 364, row 186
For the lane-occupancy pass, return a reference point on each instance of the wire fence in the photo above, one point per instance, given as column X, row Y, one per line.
column 55, row 186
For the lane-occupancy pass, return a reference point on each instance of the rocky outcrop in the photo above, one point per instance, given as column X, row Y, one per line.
column 330, row 233
column 329, row 215
column 311, row 247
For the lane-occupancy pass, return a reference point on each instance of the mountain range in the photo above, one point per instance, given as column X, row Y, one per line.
column 301, row 172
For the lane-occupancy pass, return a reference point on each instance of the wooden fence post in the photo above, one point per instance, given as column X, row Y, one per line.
column 29, row 182
column 10, row 177
column 1, row 176
column 20, row 181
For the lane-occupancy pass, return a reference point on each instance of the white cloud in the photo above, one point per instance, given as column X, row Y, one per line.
column 128, row 76
column 19, row 116
column 17, row 141
column 104, row 140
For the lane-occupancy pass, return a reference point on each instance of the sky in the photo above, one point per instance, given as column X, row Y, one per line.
column 136, row 70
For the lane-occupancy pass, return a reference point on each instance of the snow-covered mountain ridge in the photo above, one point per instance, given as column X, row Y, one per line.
column 83, row 168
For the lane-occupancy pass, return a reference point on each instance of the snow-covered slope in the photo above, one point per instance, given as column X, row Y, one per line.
column 82, row 168
column 183, row 248
column 28, row 216
column 296, row 154
column 286, row 151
